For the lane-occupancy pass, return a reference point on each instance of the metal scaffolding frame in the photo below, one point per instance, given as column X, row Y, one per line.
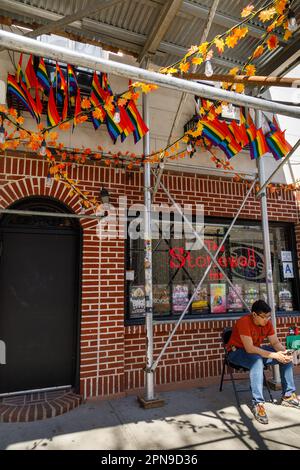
column 27, row 45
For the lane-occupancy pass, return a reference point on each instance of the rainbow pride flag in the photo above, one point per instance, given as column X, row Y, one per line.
column 19, row 68
column 42, row 76
column 113, row 128
column 278, row 144
column 125, row 123
column 53, row 118
column 15, row 89
column 239, row 133
column 30, row 75
column 140, row 128
column 257, row 141
column 72, row 80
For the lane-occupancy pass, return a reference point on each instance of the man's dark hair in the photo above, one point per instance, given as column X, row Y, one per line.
column 260, row 306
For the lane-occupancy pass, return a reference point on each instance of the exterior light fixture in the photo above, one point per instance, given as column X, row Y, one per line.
column 117, row 116
column 2, row 134
column 48, row 181
column 43, row 148
column 292, row 22
column 209, row 71
column 104, row 196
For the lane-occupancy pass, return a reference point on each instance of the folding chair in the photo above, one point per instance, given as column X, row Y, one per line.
column 235, row 368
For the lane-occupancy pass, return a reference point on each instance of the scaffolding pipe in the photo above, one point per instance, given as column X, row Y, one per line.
column 282, row 163
column 50, row 214
column 31, row 46
column 148, row 258
column 266, row 241
column 203, row 277
column 183, row 98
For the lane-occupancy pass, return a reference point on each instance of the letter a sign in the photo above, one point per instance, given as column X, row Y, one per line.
column 288, row 271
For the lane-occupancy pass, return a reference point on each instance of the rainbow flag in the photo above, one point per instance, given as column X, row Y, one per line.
column 230, row 148
column 19, row 68
column 53, row 118
column 97, row 97
column 212, row 132
column 30, row 75
column 97, row 89
column 59, row 85
column 42, row 76
column 105, row 85
column 257, row 141
column 113, row 128
column 140, row 128
column 277, row 144
column 125, row 123
column 65, row 108
column 73, row 84
column 35, row 105
column 96, row 104
column 77, row 110
column 15, row 89
column 239, row 133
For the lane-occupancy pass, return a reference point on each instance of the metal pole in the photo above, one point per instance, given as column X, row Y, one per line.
column 283, row 162
column 148, row 258
column 31, row 46
column 50, row 214
column 203, row 277
column 266, row 241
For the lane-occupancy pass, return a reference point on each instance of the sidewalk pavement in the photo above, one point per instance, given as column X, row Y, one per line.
column 192, row 419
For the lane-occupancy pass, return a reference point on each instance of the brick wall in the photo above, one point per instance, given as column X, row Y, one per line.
column 113, row 356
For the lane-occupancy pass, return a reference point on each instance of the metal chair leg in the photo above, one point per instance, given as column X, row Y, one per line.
column 234, row 388
column 222, row 377
column 268, row 388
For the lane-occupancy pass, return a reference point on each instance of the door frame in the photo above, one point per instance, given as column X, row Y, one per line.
column 56, row 205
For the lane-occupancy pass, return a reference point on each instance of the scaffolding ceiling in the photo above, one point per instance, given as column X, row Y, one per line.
column 165, row 29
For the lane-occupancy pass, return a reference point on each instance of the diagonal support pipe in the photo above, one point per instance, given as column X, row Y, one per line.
column 213, row 261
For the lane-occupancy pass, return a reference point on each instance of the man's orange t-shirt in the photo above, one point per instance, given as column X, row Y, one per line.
column 246, row 327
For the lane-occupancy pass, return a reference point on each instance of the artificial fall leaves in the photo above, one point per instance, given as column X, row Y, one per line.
column 275, row 12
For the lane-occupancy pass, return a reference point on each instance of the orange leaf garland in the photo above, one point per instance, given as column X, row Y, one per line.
column 267, row 15
column 220, row 45
column 287, row 35
column 85, row 103
column 197, row 60
column 258, row 52
column 250, row 70
column 247, row 11
column 231, row 41
column 272, row 42
column 184, row 67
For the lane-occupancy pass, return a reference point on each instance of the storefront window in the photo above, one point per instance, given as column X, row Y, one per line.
column 177, row 271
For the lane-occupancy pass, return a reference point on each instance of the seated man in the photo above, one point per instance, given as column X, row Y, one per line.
column 244, row 349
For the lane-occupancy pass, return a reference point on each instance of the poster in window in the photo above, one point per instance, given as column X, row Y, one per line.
column 137, row 301
column 251, row 294
column 200, row 302
column 161, row 298
column 234, row 303
column 218, row 298
column 285, row 299
column 180, row 297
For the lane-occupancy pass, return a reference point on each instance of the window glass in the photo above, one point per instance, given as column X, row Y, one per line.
column 177, row 271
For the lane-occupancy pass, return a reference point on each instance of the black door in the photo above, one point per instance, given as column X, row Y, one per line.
column 38, row 303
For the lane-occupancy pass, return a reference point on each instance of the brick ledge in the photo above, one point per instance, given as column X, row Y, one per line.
column 37, row 406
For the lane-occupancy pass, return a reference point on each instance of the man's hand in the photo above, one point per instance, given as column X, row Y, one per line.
column 282, row 356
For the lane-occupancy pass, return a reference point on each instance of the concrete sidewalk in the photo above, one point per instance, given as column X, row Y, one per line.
column 194, row 419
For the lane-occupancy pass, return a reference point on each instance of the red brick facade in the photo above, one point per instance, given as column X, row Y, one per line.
column 112, row 355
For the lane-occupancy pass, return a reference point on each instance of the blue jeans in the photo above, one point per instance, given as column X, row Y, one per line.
column 255, row 363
